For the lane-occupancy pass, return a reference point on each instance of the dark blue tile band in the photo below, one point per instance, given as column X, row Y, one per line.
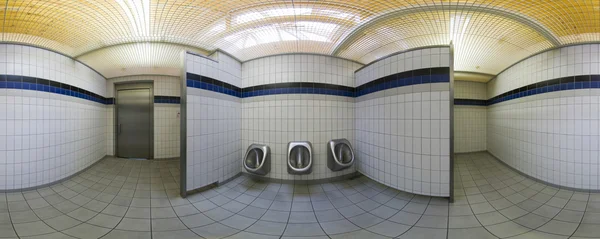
column 167, row 99
column 558, row 84
column 470, row 102
column 38, row 84
column 415, row 77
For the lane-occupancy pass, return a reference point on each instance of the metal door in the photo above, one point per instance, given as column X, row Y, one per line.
column 134, row 123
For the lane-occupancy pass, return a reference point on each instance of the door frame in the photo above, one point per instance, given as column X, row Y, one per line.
column 132, row 85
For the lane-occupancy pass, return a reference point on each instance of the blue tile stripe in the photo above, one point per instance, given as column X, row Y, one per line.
column 44, row 85
column 415, row 77
column 553, row 85
column 470, row 102
column 39, row 84
column 167, row 99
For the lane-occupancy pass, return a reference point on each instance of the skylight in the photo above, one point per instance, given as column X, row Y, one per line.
column 283, row 12
column 289, row 31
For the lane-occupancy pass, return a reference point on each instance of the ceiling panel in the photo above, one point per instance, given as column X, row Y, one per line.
column 362, row 30
column 483, row 42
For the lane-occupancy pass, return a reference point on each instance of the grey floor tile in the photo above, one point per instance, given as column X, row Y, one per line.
column 238, row 222
column 365, row 220
column 85, row 231
column 491, row 218
column 322, row 205
column 253, row 212
column 62, row 222
column 302, row 217
column 32, row 228
column 414, row 207
column 234, row 206
column 82, row 214
column 196, row 220
column 405, row 218
column 275, row 216
column 463, row 221
column 54, row 235
column 204, row 206
column 185, row 210
column 337, row 227
column 538, row 234
column 547, row 211
column 424, row 233
column 268, row 228
column 388, row 228
column 7, row 230
column 115, row 210
column 328, row 215
column 460, row 210
column 559, row 227
column 531, row 221
column 167, row 224
column 120, row 234
column 359, row 234
column 104, row 220
column 507, row 229
column 131, row 224
column 513, row 212
column 475, row 232
column 47, row 213
column 162, row 212
column 218, row 214
column 215, row 230
column 303, row 229
column 179, row 234
column 351, row 211
column 570, row 216
column 138, row 212
column 23, row 216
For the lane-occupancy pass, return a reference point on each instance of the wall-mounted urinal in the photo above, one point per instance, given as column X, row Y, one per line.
column 258, row 159
column 339, row 154
column 299, row 158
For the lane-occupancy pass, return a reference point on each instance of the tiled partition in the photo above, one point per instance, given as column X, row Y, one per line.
column 211, row 126
column 298, row 97
column 52, row 117
column 403, row 121
column 166, row 113
column 544, row 116
column 470, row 114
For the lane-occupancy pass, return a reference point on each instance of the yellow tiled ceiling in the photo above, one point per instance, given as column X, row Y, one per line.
column 483, row 42
column 488, row 34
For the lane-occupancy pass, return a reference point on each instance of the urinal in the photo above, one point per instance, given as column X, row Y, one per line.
column 299, row 158
column 258, row 159
column 339, row 154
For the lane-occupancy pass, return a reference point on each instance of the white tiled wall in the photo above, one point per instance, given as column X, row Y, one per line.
column 566, row 61
column 470, row 90
column 470, row 128
column 470, row 122
column 403, row 134
column 45, row 137
column 213, row 124
column 418, row 59
column 166, row 116
column 275, row 120
column 298, row 68
column 552, row 136
column 278, row 119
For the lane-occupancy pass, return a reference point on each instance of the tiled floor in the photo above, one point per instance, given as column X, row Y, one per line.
column 121, row 198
